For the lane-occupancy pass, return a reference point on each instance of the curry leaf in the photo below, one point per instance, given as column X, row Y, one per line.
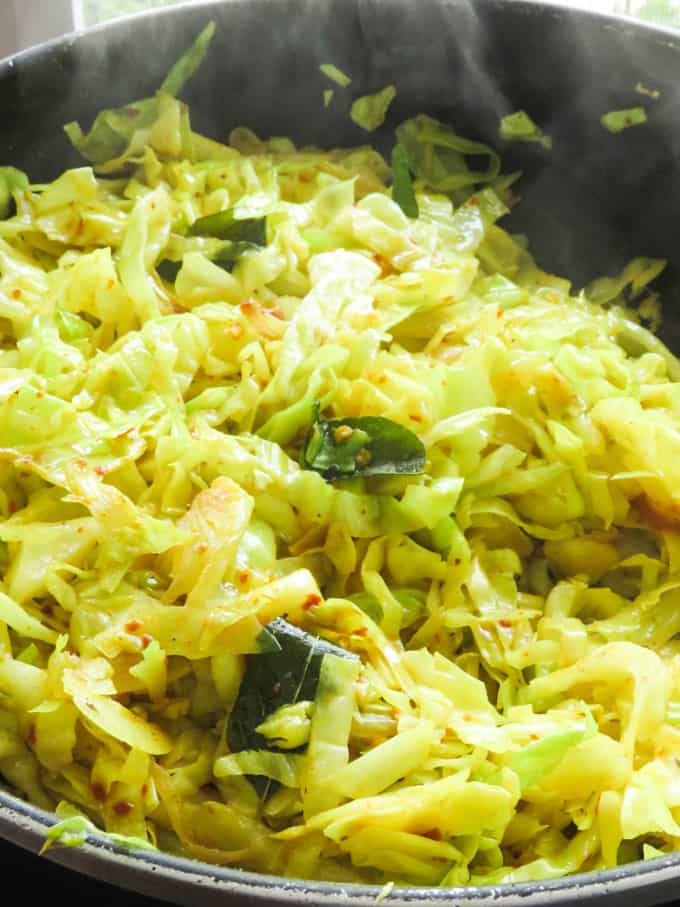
column 227, row 257
column 168, row 269
column 285, row 671
column 365, row 446
column 247, row 234
column 225, row 225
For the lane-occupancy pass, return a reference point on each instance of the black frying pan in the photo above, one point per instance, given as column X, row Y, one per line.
column 589, row 205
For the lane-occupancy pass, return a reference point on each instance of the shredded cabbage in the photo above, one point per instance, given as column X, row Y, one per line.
column 332, row 72
column 344, row 463
column 617, row 120
column 519, row 127
column 370, row 111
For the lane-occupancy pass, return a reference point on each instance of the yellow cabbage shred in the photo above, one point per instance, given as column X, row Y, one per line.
column 513, row 708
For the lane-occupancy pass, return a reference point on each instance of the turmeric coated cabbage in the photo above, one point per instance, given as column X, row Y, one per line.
column 336, row 542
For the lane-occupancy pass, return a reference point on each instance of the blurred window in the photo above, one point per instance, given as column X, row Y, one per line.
column 93, row 11
column 27, row 22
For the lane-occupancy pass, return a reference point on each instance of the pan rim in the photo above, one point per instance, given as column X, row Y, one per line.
column 666, row 35
column 34, row 822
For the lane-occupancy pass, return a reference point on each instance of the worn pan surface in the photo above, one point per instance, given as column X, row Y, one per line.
column 590, row 204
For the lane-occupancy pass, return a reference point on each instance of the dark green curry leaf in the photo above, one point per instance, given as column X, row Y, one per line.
column 226, row 258
column 232, row 253
column 240, row 235
column 285, row 671
column 402, row 187
column 168, row 269
column 365, row 446
column 225, row 225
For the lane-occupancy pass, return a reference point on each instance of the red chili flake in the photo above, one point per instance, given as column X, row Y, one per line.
column 433, row 834
column 505, row 623
column 80, row 530
column 534, row 736
column 123, row 807
column 311, row 601
column 248, row 307
column 144, row 790
column 276, row 313
column 146, row 641
column 500, row 313
column 110, row 283
column 98, row 791
column 414, row 417
column 362, row 631
column 100, row 470
column 202, row 548
column 16, row 294
column 473, row 200
column 132, row 626
column 47, row 610
column 132, row 112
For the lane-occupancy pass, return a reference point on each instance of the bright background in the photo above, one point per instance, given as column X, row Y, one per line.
column 664, row 12
column 27, row 22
